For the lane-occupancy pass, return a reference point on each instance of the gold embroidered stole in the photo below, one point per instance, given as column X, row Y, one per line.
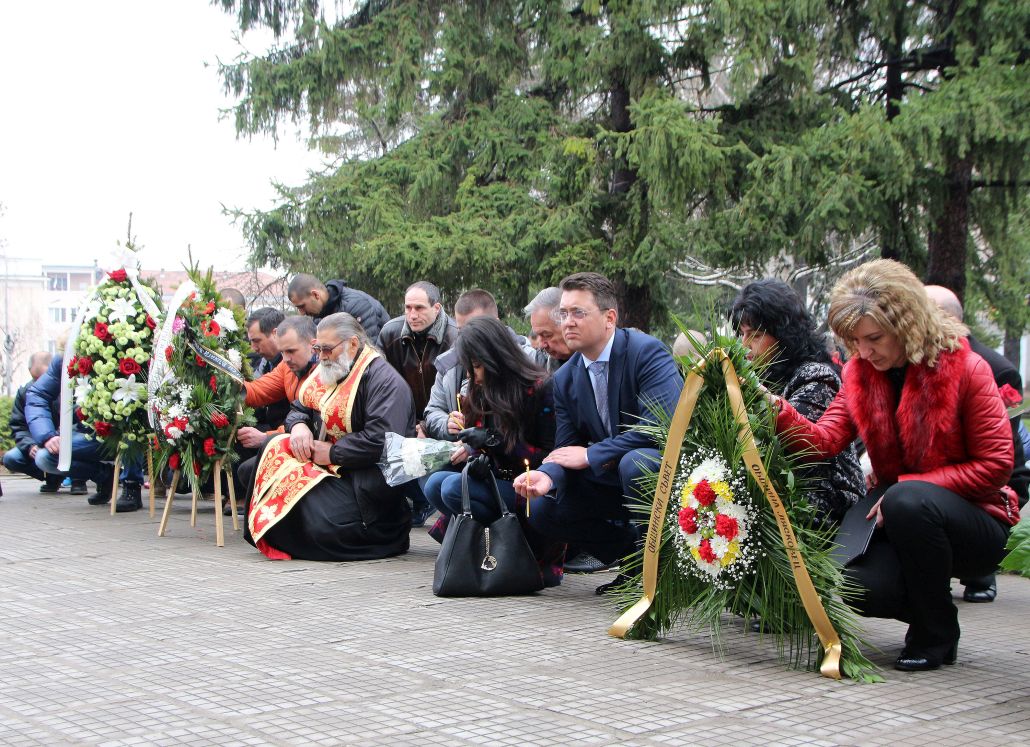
column 282, row 479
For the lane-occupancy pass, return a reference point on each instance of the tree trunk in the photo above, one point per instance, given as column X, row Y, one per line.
column 946, row 264
column 636, row 301
column 1013, row 337
column 891, row 237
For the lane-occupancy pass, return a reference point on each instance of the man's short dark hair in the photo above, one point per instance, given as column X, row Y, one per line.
column 431, row 291
column 266, row 318
column 600, row 287
column 303, row 284
column 476, row 299
column 303, row 326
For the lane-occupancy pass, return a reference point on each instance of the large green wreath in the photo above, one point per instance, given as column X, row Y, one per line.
column 107, row 372
column 738, row 564
column 198, row 401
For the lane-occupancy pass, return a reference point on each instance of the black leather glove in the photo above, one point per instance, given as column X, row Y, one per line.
column 479, row 466
column 479, row 438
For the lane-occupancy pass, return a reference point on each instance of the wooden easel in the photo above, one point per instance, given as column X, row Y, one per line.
column 219, row 523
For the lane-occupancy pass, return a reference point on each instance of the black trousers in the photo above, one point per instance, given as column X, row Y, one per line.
column 929, row 535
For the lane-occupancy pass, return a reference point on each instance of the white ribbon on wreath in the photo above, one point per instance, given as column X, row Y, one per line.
column 158, row 362
column 66, row 426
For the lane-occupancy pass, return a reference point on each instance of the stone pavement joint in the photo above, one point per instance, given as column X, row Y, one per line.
column 113, row 636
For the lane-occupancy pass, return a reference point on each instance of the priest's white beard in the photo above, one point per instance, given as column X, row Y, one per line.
column 333, row 371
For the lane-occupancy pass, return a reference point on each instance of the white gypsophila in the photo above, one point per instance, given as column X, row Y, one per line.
column 121, row 310
column 226, row 320
column 128, row 390
column 234, row 357
column 412, row 458
column 82, row 389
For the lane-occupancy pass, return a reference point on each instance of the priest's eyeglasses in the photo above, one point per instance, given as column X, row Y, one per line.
column 325, row 349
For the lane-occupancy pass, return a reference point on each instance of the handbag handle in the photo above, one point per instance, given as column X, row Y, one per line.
column 466, row 506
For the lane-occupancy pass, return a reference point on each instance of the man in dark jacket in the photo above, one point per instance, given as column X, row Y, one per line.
column 318, row 300
column 42, row 400
column 985, row 588
column 412, row 342
column 22, row 458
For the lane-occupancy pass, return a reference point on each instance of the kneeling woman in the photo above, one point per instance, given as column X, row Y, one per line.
column 510, row 398
column 935, row 430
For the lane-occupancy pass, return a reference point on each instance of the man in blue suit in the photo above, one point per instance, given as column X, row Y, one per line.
column 615, row 380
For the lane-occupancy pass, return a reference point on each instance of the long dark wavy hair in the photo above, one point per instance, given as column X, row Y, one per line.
column 775, row 308
column 509, row 374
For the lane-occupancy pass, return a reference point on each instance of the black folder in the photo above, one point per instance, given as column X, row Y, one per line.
column 856, row 530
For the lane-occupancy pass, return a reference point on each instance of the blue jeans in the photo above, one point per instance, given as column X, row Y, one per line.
column 443, row 490
column 88, row 461
column 15, row 461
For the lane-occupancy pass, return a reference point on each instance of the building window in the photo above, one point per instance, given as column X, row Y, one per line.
column 51, row 347
column 58, row 315
column 57, row 281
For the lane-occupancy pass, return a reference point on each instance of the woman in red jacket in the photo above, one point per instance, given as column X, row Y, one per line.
column 935, row 429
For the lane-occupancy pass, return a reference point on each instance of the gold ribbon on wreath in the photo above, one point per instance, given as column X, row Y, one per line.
column 830, row 666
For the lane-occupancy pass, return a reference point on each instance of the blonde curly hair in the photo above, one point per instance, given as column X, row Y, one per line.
column 891, row 295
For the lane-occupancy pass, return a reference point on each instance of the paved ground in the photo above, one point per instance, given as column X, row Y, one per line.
column 111, row 635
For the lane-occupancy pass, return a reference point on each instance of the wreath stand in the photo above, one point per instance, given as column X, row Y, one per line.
column 219, row 524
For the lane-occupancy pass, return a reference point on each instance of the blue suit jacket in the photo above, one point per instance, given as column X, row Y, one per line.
column 642, row 375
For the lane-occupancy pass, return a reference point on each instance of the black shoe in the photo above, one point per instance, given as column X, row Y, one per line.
column 421, row 514
column 130, row 499
column 621, row 580
column 917, row 662
column 979, row 596
column 99, row 498
column 50, row 487
column 79, row 488
column 587, row 563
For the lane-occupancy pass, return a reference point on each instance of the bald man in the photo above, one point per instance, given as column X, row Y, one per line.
column 985, row 589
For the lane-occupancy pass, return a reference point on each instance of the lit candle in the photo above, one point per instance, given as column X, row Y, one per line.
column 529, row 487
column 457, row 398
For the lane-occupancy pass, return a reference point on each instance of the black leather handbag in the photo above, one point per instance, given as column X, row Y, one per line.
column 485, row 561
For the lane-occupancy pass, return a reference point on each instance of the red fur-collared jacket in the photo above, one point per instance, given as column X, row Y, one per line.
column 949, row 429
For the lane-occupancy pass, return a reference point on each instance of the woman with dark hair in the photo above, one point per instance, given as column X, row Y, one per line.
column 780, row 335
column 510, row 411
column 940, row 444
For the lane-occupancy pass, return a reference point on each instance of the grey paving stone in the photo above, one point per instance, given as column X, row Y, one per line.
column 110, row 635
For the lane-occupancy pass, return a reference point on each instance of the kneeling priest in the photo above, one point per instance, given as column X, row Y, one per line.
column 316, row 492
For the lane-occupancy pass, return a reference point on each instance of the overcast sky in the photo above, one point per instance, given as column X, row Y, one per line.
column 108, row 108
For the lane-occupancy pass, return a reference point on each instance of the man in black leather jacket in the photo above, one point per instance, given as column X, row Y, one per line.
column 318, row 300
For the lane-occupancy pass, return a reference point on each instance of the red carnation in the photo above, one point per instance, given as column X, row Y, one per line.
column 688, row 520
column 209, row 447
column 79, row 414
column 704, row 493
column 200, row 361
column 1010, row 396
column 85, row 365
column 219, row 420
column 168, row 353
column 118, row 276
column 174, row 461
column 128, row 366
column 100, row 330
column 73, row 366
column 102, row 428
column 210, row 308
column 705, row 551
column 213, row 383
column 726, row 526
column 151, row 322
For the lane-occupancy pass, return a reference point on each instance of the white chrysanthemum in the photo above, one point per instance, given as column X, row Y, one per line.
column 412, row 459
column 128, row 390
column 226, row 321
column 121, row 310
column 712, row 469
column 719, row 545
column 234, row 357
